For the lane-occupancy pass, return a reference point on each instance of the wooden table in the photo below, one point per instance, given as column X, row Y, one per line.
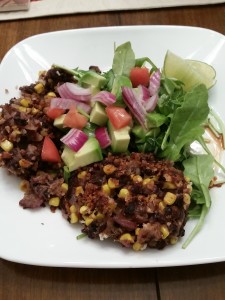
column 25, row 282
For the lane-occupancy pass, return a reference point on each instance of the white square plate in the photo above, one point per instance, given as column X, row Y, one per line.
column 40, row 237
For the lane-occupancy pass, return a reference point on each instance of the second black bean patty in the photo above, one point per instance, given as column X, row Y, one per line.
column 135, row 200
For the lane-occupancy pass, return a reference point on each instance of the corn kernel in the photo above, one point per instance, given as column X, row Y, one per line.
column 34, row 110
column 123, row 193
column 16, row 132
column 24, row 186
column 6, row 145
column 88, row 221
column 169, row 198
column 137, row 231
column 113, row 183
column 106, row 189
column 173, row 240
column 99, row 216
column 187, row 178
column 137, row 178
column 83, row 209
column 73, row 218
column 39, row 88
column 79, row 191
column 187, row 199
column 169, row 185
column 189, row 187
column 162, row 206
column 109, row 169
column 165, row 232
column 54, row 201
column 81, row 175
column 126, row 237
column 146, row 181
column 73, row 209
column 51, row 94
column 137, row 246
column 25, row 102
column 22, row 109
column 64, row 187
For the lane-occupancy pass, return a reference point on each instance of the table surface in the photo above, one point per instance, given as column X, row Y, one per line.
column 23, row 282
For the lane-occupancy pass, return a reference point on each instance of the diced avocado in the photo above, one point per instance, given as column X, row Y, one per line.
column 120, row 138
column 98, row 115
column 58, row 122
column 88, row 154
column 68, row 156
column 93, row 80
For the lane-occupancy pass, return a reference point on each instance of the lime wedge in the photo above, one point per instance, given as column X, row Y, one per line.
column 190, row 72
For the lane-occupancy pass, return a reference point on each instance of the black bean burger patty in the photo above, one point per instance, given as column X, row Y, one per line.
column 24, row 124
column 135, row 200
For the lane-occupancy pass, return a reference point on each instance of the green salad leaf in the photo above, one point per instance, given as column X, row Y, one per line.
column 199, row 169
column 124, row 59
column 187, row 122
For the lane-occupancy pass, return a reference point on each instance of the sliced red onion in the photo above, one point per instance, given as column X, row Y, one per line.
column 74, row 91
column 154, row 83
column 74, row 139
column 68, row 103
column 134, row 103
column 151, row 103
column 63, row 92
column 143, row 92
column 102, row 136
column 104, row 97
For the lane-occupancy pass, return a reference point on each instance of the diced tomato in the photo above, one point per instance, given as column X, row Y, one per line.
column 74, row 119
column 55, row 112
column 49, row 151
column 118, row 116
column 139, row 76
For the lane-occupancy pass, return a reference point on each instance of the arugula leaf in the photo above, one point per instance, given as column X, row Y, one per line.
column 66, row 174
column 119, row 81
column 198, row 227
column 155, row 119
column 124, row 59
column 118, row 76
column 171, row 85
column 109, row 75
column 197, row 197
column 199, row 169
column 194, row 211
column 186, row 123
column 140, row 62
column 77, row 73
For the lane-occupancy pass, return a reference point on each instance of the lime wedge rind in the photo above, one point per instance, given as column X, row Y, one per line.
column 190, row 72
